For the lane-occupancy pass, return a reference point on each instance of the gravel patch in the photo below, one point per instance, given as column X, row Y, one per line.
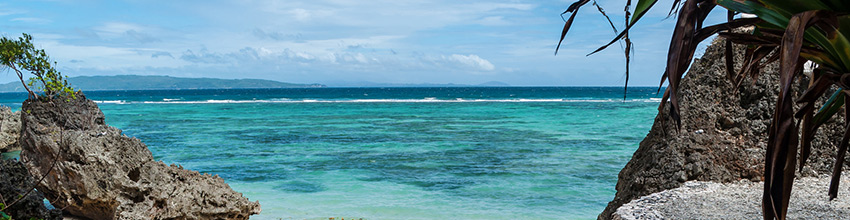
column 739, row 200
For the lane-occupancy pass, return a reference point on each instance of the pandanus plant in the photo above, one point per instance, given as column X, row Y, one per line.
column 790, row 31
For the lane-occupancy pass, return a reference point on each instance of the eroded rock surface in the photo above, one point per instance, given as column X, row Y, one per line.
column 10, row 129
column 102, row 174
column 722, row 137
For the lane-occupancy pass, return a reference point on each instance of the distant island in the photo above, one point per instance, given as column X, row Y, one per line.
column 136, row 82
column 374, row 84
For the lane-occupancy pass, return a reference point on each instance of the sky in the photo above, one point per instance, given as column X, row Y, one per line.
column 339, row 42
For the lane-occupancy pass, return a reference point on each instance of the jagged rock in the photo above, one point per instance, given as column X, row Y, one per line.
column 723, row 134
column 10, row 129
column 15, row 182
column 102, row 174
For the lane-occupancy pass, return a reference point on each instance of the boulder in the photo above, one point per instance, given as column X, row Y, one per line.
column 15, row 183
column 10, row 129
column 723, row 133
column 100, row 173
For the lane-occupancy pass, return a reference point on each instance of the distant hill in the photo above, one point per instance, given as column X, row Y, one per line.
column 374, row 84
column 136, row 82
column 494, row 84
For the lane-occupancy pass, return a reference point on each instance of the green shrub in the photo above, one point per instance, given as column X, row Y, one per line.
column 21, row 56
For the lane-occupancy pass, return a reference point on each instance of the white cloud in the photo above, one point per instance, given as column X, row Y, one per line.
column 32, row 20
column 339, row 60
column 161, row 54
column 493, row 21
column 320, row 40
column 496, row 6
column 387, row 16
column 116, row 30
column 472, row 60
column 301, row 14
column 6, row 10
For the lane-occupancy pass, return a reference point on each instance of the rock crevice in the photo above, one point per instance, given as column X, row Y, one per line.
column 16, row 192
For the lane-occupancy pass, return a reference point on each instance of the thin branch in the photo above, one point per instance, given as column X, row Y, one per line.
column 43, row 176
column 21, row 76
column 602, row 11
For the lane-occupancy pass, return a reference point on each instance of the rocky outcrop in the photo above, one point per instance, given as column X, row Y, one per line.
column 10, row 129
column 16, row 192
column 722, row 137
column 101, row 174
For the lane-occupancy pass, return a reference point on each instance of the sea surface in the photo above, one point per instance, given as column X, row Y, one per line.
column 396, row 153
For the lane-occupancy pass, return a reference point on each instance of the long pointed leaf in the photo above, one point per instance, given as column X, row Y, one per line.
column 817, row 88
column 641, row 8
column 752, row 63
column 706, row 32
column 830, row 107
column 682, row 47
column 728, row 54
column 749, row 39
column 574, row 10
column 602, row 11
column 628, row 49
column 808, row 134
column 783, row 136
column 839, row 158
column 748, row 59
column 564, row 32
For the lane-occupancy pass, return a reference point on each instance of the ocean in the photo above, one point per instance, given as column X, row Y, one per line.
column 396, row 153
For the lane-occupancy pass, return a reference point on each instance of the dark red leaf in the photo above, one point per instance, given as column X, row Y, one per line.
column 728, row 54
column 602, row 11
column 783, row 136
column 808, row 134
column 574, row 10
column 839, row 158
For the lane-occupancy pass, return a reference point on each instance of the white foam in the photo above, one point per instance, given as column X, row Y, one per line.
column 110, row 101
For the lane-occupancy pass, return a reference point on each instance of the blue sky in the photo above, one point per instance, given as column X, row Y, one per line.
column 338, row 42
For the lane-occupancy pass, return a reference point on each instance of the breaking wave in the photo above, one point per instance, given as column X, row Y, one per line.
column 423, row 100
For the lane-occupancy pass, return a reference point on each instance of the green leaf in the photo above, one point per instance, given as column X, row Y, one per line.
column 838, row 40
column 830, row 107
column 777, row 17
column 641, row 8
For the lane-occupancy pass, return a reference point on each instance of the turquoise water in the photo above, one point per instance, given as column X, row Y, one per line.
column 402, row 153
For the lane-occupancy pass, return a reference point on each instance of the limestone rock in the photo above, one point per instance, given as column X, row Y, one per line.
column 15, row 182
column 731, row 145
column 10, row 129
column 737, row 200
column 102, row 174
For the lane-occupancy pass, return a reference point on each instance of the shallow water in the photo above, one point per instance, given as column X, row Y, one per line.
column 424, row 153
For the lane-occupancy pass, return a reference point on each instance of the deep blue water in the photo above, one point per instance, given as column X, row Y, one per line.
column 396, row 153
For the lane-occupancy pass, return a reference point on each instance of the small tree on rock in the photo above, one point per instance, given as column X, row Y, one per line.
column 21, row 56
